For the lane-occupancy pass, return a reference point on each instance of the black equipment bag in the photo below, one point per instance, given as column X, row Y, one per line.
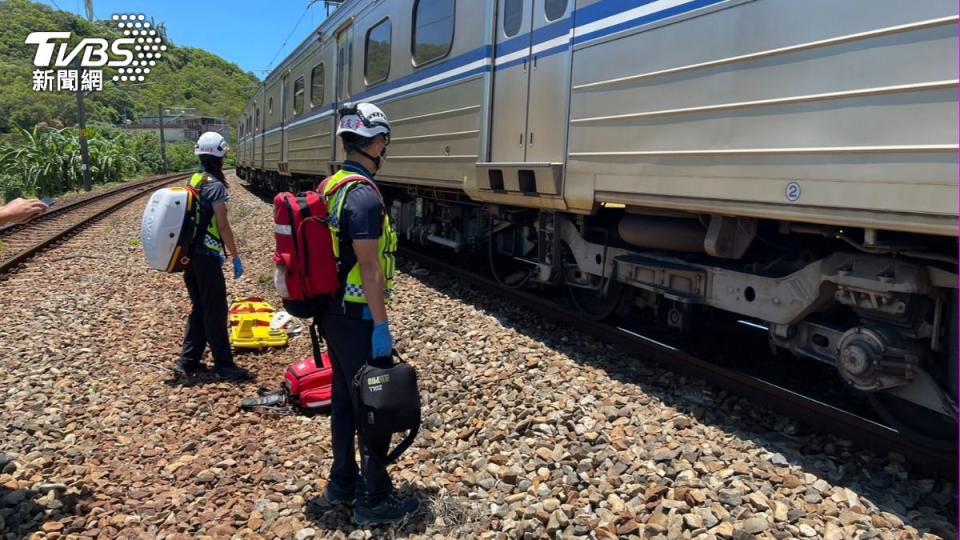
column 386, row 400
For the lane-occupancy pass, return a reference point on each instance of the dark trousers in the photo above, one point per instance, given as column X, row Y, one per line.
column 207, row 323
column 349, row 344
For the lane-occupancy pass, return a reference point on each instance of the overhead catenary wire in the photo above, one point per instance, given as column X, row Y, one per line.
column 285, row 40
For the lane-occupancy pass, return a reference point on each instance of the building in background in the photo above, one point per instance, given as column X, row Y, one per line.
column 180, row 124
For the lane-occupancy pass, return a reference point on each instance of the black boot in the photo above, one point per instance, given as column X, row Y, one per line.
column 336, row 495
column 184, row 367
column 394, row 508
column 233, row 372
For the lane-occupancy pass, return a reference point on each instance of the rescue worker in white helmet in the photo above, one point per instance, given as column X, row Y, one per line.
column 206, row 286
column 355, row 325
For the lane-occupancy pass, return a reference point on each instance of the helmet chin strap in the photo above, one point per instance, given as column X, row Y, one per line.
column 375, row 160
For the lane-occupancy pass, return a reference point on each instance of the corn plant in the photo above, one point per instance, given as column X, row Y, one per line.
column 46, row 163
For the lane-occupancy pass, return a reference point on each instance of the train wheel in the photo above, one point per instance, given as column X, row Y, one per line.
column 507, row 270
column 598, row 303
column 920, row 424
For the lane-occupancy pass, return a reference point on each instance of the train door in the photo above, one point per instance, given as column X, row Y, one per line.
column 344, row 85
column 284, row 105
column 511, row 81
column 549, row 81
column 261, row 120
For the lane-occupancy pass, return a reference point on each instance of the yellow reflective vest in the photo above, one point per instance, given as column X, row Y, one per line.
column 212, row 240
column 353, row 288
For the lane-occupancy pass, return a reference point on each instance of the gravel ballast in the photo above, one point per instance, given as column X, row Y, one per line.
column 530, row 428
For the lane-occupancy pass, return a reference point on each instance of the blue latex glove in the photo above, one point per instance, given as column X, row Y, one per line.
column 237, row 268
column 382, row 340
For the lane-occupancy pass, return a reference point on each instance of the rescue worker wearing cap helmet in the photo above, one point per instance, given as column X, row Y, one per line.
column 206, row 286
column 355, row 325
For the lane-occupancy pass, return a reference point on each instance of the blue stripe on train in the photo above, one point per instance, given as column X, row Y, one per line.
column 482, row 53
column 587, row 15
column 598, row 14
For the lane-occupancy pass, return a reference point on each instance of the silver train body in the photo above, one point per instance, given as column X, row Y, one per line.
column 790, row 162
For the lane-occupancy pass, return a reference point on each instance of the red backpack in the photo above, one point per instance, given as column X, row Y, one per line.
column 305, row 268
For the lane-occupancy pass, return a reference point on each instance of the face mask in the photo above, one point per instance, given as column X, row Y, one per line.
column 378, row 160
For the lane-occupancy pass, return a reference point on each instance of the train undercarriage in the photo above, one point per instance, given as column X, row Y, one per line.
column 880, row 308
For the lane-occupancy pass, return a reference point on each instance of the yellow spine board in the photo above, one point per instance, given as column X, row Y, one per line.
column 250, row 325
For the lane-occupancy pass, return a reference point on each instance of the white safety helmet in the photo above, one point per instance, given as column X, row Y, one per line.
column 363, row 119
column 211, row 143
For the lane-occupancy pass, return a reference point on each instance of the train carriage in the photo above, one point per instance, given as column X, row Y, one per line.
column 309, row 134
column 792, row 163
column 248, row 166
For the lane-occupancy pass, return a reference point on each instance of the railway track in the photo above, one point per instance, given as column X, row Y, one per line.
column 20, row 242
column 814, row 413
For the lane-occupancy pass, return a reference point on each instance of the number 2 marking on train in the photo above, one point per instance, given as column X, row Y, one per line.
column 793, row 192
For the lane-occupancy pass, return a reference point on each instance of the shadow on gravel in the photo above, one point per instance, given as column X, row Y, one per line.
column 262, row 195
column 443, row 514
column 21, row 513
column 202, row 379
column 881, row 479
column 18, row 512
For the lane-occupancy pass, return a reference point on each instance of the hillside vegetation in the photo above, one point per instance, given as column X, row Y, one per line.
column 39, row 141
column 185, row 76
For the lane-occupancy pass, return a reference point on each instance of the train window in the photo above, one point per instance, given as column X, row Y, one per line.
column 432, row 30
column 554, row 9
column 298, row 95
column 257, row 126
column 345, row 63
column 285, row 100
column 316, row 85
column 376, row 62
column 512, row 16
column 270, row 106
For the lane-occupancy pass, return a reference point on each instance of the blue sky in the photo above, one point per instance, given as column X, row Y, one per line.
column 217, row 27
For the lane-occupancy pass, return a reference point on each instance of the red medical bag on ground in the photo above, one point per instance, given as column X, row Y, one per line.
column 309, row 384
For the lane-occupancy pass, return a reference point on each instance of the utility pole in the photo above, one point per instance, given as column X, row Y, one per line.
column 326, row 4
column 82, row 114
column 163, row 143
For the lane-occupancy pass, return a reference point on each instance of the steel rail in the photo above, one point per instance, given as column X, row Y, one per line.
column 99, row 206
column 813, row 413
column 82, row 201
